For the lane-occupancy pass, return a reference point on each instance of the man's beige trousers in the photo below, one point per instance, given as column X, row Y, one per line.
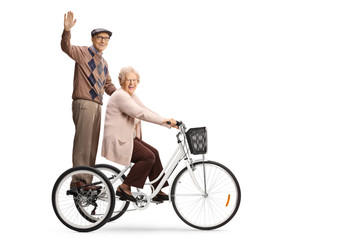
column 87, row 120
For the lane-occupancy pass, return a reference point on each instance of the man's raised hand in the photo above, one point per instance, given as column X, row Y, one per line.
column 69, row 21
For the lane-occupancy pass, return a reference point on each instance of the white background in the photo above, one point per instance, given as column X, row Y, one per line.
column 275, row 82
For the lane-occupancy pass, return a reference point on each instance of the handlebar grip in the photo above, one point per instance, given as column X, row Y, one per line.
column 178, row 123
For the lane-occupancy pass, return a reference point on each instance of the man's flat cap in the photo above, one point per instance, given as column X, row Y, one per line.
column 100, row 30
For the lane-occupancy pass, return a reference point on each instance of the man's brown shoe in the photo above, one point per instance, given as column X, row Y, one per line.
column 82, row 185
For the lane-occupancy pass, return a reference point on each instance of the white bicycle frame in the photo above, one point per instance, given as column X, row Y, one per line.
column 181, row 152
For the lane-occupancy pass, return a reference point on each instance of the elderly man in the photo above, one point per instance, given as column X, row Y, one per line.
column 91, row 79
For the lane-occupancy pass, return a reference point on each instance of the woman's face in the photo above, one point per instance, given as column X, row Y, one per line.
column 130, row 83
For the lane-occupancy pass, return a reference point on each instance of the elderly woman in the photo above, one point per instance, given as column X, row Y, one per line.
column 122, row 142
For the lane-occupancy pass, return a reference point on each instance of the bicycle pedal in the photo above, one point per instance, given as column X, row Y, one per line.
column 72, row 192
column 157, row 202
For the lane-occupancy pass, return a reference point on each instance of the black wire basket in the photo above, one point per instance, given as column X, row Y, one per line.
column 197, row 140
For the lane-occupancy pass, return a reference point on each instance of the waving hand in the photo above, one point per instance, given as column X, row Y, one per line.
column 69, row 21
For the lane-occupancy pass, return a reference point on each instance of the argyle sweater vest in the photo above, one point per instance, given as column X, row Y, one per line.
column 91, row 77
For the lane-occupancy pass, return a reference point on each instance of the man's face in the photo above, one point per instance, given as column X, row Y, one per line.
column 100, row 41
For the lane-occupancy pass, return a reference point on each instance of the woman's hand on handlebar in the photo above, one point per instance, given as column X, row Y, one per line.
column 171, row 122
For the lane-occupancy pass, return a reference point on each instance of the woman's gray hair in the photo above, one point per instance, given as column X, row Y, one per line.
column 126, row 70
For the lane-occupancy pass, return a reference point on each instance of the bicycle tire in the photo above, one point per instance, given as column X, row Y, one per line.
column 73, row 206
column 201, row 211
column 120, row 206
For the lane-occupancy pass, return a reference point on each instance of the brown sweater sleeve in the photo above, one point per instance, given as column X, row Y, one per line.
column 74, row 52
column 109, row 87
